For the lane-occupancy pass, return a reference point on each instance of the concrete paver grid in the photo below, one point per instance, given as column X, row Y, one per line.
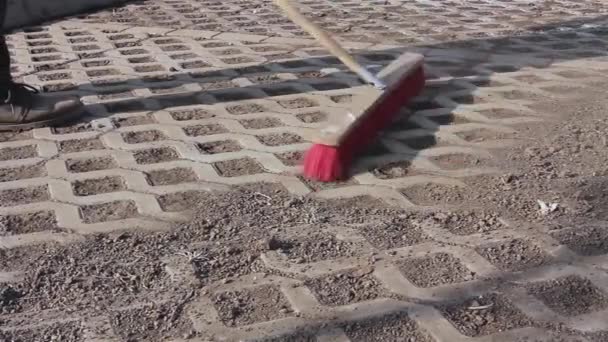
column 215, row 103
column 219, row 108
column 393, row 21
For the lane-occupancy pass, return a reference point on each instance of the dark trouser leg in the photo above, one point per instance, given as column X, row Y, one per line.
column 5, row 58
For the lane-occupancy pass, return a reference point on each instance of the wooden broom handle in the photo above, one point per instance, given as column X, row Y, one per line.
column 328, row 42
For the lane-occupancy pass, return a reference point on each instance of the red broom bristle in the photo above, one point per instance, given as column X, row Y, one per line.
column 324, row 163
column 329, row 163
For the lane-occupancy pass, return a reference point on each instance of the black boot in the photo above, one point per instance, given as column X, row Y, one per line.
column 22, row 107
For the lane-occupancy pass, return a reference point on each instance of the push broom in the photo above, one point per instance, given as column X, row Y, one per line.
column 349, row 133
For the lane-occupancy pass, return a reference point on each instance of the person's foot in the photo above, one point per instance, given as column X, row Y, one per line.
column 22, row 107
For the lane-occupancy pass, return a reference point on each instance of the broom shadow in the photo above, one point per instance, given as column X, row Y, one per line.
column 415, row 128
column 392, row 155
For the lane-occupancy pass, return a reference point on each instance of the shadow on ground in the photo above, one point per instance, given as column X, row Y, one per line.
column 557, row 42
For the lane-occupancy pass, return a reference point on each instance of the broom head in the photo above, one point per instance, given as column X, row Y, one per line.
column 352, row 129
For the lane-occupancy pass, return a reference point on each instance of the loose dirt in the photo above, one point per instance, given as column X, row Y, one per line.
column 21, row 152
column 435, row 270
column 397, row 327
column 279, row 139
column 90, row 187
column 297, row 103
column 204, row 130
column 93, row 164
column 171, row 176
column 317, row 246
column 193, row 114
column 155, row 322
column 155, row 155
column 438, row 194
column 586, row 239
column 111, row 211
column 219, row 147
column 346, row 288
column 68, row 332
column 485, row 315
column 570, row 296
column 247, row 108
column 468, row 222
column 28, row 223
column 261, row 123
column 24, row 172
column 312, row 117
column 143, row 137
column 70, row 146
column 394, row 170
column 516, row 255
column 396, row 232
column 12, row 197
column 133, row 121
column 251, row 306
column 238, row 167
column 293, row 158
